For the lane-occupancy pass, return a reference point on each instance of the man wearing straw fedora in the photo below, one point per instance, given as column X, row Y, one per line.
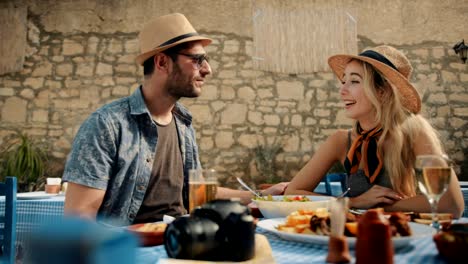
column 130, row 159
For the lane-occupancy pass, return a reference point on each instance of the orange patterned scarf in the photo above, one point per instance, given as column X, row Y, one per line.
column 365, row 147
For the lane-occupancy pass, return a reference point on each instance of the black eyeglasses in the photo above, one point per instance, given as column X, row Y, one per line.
column 198, row 58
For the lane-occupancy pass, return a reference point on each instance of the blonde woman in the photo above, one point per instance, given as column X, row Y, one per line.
column 379, row 151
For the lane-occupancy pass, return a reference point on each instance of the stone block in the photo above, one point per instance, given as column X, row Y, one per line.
column 7, row 91
column 202, row 114
column 34, row 83
column 227, row 74
column 437, row 98
column 246, row 93
column 231, row 46
column 71, row 47
column 463, row 77
column 457, row 123
column 310, row 121
column 449, row 77
column 255, row 118
column 43, row 69
column 271, row 120
column 105, row 81
column 227, row 93
column 120, row 91
column 209, row 92
column 291, row 143
column 132, row 46
column 296, row 120
column 264, row 81
column 438, row 52
column 85, row 69
column 264, row 93
column 42, row 99
column 64, row 69
column 234, row 114
column 14, row 110
column 458, row 98
column 50, row 84
column 126, row 68
column 206, row 143
column 27, row 93
column 127, row 59
column 322, row 112
column 461, row 111
column 40, row 116
column 249, row 140
column 92, row 45
column 249, row 74
column 224, row 140
column 115, row 46
column 104, row 69
column 290, row 90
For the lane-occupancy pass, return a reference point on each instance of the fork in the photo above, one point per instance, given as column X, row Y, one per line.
column 247, row 187
column 344, row 193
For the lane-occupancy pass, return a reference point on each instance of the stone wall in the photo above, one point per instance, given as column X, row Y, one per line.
column 71, row 71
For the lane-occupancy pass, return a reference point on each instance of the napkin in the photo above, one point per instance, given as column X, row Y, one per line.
column 54, row 181
column 263, row 254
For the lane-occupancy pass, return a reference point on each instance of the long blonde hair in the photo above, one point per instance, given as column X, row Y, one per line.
column 400, row 128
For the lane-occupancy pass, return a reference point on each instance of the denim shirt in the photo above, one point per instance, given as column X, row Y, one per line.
column 114, row 151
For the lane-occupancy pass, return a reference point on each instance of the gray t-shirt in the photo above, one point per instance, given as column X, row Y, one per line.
column 359, row 182
column 164, row 193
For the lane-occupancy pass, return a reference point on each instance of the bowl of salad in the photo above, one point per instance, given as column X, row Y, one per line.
column 282, row 205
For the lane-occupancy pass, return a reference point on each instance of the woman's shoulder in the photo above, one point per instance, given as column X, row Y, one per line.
column 342, row 135
column 340, row 138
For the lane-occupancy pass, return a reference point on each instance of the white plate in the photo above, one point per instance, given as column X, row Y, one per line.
column 34, row 195
column 419, row 231
column 279, row 208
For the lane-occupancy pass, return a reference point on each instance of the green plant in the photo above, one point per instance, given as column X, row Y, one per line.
column 265, row 159
column 23, row 158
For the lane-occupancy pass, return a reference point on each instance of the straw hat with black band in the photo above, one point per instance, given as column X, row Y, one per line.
column 165, row 32
column 392, row 64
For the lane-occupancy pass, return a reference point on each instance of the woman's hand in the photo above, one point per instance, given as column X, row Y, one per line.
column 277, row 189
column 375, row 196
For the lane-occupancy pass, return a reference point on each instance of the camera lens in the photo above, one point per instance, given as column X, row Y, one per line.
column 191, row 238
column 218, row 230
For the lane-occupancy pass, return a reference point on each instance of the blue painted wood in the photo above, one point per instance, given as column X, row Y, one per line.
column 7, row 243
column 334, row 177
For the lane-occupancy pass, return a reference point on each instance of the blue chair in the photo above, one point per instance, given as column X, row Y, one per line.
column 334, row 177
column 8, row 231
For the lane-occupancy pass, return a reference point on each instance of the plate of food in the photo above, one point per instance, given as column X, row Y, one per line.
column 282, row 205
column 150, row 234
column 299, row 229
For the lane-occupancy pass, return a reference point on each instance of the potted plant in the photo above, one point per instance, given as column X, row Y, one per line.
column 265, row 159
column 25, row 159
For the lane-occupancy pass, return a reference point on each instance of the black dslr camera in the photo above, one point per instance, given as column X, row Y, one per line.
column 220, row 230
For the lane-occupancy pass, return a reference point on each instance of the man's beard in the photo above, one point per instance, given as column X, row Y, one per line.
column 180, row 85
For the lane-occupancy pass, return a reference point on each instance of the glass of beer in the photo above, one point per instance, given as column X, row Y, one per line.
column 433, row 174
column 203, row 184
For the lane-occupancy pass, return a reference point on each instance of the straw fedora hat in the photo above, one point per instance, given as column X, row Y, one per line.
column 392, row 64
column 165, row 32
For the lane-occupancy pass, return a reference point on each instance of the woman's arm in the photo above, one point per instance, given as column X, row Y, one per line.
column 451, row 201
column 333, row 150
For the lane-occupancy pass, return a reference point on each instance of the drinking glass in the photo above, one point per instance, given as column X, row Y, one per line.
column 433, row 174
column 203, row 184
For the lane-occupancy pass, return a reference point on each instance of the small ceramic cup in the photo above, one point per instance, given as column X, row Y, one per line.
column 53, row 189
